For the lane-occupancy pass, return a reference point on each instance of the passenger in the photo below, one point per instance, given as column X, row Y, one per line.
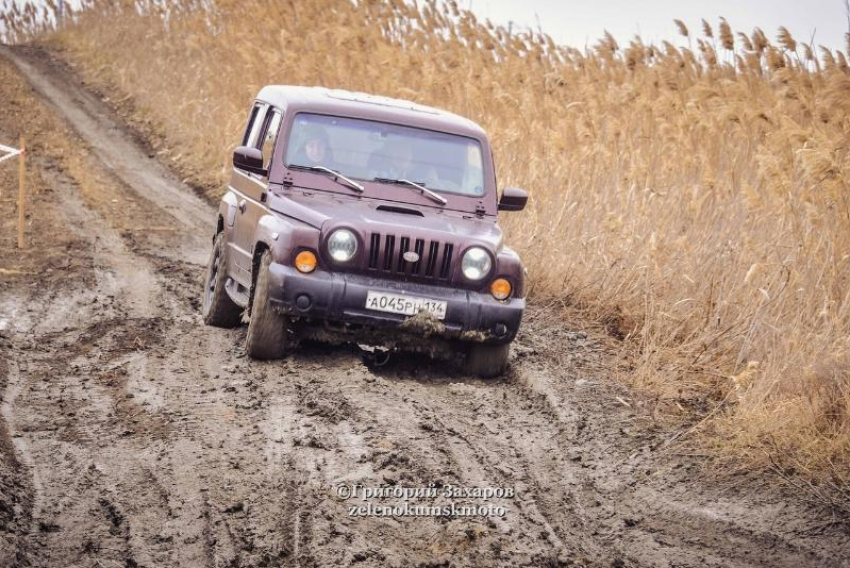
column 315, row 150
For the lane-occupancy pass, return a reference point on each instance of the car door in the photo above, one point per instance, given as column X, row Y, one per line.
column 256, row 191
column 247, row 187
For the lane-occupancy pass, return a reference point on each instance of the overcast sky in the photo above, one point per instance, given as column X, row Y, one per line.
column 579, row 23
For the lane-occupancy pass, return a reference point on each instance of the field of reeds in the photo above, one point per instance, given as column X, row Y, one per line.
column 693, row 196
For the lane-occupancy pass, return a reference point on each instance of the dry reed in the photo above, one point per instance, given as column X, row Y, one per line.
column 695, row 201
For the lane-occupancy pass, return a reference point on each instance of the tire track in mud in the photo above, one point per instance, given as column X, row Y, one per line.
column 153, row 441
column 74, row 370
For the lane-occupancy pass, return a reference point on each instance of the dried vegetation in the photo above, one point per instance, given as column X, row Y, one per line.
column 692, row 198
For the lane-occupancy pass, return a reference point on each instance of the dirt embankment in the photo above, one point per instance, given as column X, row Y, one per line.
column 133, row 435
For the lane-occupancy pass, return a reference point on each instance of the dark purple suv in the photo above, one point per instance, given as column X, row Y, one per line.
column 351, row 217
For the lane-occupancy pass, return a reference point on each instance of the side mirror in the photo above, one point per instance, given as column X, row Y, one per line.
column 249, row 159
column 513, row 199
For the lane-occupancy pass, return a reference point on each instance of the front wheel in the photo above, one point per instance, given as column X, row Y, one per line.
column 267, row 330
column 217, row 307
column 486, row 360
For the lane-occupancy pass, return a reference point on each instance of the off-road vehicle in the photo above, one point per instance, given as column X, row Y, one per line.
column 352, row 217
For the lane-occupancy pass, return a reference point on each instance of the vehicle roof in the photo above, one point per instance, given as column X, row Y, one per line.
column 291, row 98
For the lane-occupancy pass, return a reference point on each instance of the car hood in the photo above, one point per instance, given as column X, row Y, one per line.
column 368, row 215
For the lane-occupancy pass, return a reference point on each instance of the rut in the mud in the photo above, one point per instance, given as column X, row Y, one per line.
column 148, row 439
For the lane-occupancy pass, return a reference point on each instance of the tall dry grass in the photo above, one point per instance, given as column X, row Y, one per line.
column 693, row 198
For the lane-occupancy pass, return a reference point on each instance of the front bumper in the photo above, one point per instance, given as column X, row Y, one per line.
column 341, row 298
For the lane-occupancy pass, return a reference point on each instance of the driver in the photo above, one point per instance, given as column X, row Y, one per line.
column 400, row 161
column 398, row 164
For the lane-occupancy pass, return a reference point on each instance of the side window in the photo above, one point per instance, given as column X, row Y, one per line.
column 255, row 124
column 270, row 137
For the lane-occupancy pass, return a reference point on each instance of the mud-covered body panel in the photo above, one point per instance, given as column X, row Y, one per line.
column 340, row 298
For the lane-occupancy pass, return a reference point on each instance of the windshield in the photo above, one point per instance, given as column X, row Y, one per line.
column 369, row 150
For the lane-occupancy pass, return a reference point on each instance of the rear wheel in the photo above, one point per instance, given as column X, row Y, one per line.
column 267, row 330
column 217, row 307
column 486, row 360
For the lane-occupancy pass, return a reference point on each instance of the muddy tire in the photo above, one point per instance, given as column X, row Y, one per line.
column 217, row 307
column 486, row 360
column 267, row 330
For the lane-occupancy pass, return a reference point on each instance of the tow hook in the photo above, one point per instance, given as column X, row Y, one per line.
column 374, row 356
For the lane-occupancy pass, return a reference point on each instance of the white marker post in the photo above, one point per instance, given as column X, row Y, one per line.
column 22, row 193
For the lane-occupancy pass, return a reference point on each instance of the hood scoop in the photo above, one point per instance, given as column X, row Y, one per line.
column 399, row 210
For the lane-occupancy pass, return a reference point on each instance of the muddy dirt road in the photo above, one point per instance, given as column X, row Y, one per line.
column 133, row 435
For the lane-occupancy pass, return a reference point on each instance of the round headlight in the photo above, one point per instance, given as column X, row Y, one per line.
column 342, row 245
column 476, row 263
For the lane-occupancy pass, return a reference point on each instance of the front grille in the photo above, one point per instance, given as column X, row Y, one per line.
column 386, row 255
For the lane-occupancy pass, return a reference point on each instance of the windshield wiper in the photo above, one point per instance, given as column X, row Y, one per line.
column 422, row 189
column 350, row 183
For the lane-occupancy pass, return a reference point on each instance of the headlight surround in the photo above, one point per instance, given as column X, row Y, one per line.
column 476, row 263
column 342, row 245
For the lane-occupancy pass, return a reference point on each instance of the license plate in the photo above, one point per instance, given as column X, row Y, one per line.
column 405, row 305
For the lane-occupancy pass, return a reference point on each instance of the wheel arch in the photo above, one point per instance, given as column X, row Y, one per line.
column 256, row 257
column 219, row 226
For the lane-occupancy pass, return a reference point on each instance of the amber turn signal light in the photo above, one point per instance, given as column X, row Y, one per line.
column 500, row 288
column 306, row 261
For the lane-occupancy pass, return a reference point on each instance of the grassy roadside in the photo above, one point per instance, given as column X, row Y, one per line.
column 694, row 200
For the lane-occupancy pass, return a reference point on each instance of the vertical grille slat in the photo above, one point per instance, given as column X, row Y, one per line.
column 433, row 250
column 404, row 246
column 418, row 248
column 435, row 258
column 374, row 250
column 389, row 249
column 446, row 267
